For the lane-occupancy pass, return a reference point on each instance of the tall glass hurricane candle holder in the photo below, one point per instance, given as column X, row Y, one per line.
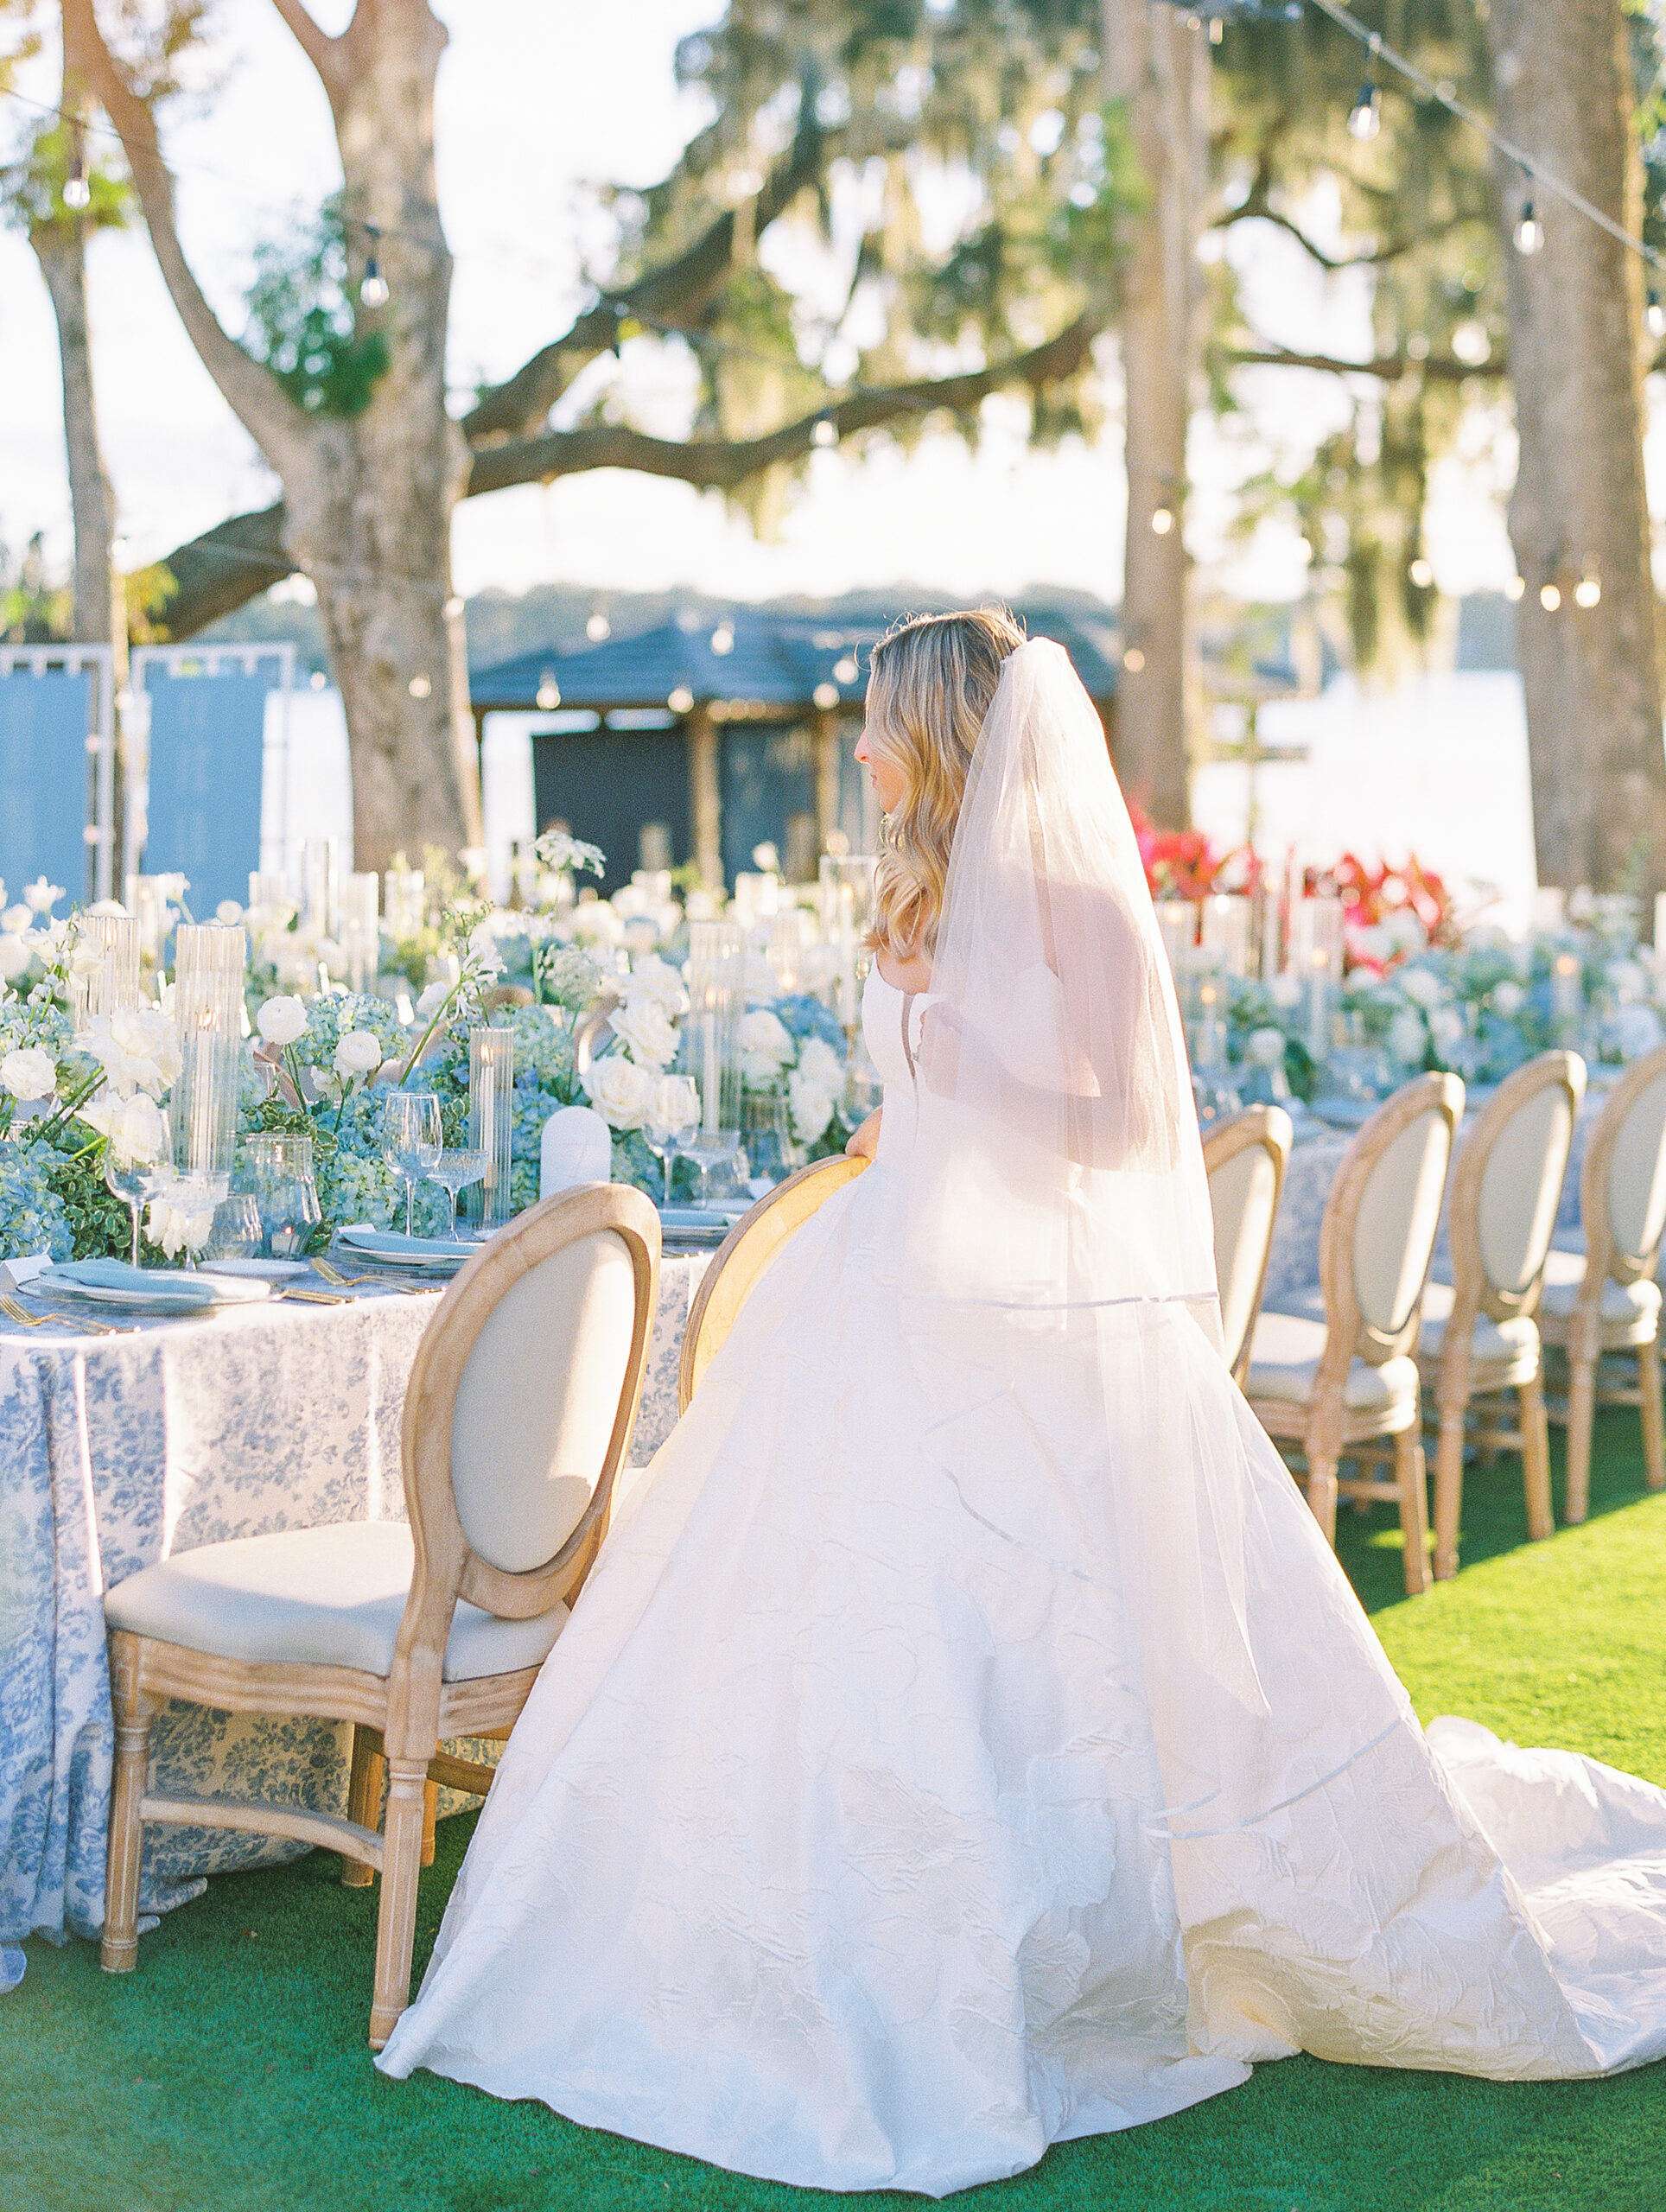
column 146, row 902
column 1226, row 916
column 208, row 963
column 492, row 1119
column 403, row 902
column 716, row 976
column 1316, row 940
column 847, row 894
column 114, row 985
column 361, row 929
column 321, row 885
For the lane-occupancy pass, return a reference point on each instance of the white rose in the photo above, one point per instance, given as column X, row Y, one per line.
column 433, row 998
column 1420, row 986
column 676, row 1104
column 658, row 981
column 228, row 912
column 645, row 1030
column 14, row 957
column 1265, row 1048
column 594, row 922
column 818, row 1060
column 172, row 1227
column 86, row 960
column 620, row 1091
column 134, row 1127
column 765, row 1047
column 29, row 1073
column 41, row 897
column 1407, row 1037
column 1507, row 999
column 16, row 920
column 280, row 1021
column 137, row 1047
column 811, row 1108
column 357, row 1052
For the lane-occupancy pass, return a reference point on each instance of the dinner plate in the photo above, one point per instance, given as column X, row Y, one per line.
column 172, row 1291
column 386, row 1249
column 257, row 1270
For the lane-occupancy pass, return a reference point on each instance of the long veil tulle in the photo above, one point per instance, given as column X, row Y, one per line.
column 1057, row 1232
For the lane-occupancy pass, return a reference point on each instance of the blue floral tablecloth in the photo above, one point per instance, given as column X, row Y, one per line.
column 118, row 1451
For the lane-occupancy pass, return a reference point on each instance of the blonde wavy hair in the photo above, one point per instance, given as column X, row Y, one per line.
column 933, row 678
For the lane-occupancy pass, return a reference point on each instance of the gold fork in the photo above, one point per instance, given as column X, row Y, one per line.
column 335, row 1275
column 14, row 1312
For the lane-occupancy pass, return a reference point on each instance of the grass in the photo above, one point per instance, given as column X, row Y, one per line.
column 229, row 2074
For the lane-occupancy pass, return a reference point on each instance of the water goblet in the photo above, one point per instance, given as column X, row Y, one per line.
column 280, row 1170
column 675, row 1107
column 411, row 1139
column 454, row 1170
column 235, row 1233
column 709, row 1150
column 132, row 1181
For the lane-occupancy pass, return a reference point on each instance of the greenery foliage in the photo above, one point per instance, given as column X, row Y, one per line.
column 303, row 324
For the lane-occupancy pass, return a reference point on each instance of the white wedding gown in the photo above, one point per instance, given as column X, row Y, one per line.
column 834, row 1844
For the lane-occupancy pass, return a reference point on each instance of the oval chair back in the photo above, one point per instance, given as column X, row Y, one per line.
column 1245, row 1159
column 520, row 1406
column 1623, row 1183
column 744, row 1254
column 1505, row 1190
column 1381, row 1221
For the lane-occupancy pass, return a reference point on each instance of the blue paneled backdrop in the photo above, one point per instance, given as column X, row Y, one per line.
column 207, row 744
column 44, row 781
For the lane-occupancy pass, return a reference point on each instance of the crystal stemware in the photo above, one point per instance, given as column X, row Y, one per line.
column 710, row 1149
column 132, row 1181
column 675, row 1107
column 236, row 1231
column 454, row 1170
column 411, row 1139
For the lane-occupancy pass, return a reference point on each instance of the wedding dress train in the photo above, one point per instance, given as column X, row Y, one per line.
column 966, row 1741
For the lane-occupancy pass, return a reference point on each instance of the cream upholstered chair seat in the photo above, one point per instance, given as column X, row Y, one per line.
column 330, row 1597
column 1492, row 1344
column 1627, row 1312
column 1244, row 1160
column 1284, row 1356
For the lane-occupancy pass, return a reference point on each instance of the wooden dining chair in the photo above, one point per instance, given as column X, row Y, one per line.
column 1605, row 1299
column 1479, row 1339
column 745, row 1252
column 1333, row 1371
column 1244, row 1160
column 516, row 1416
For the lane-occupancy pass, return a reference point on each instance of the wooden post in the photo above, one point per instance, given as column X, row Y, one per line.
column 705, row 795
column 826, row 742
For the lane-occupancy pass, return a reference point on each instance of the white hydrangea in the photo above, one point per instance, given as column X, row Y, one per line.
column 821, row 1066
column 810, row 1106
column 766, row 1047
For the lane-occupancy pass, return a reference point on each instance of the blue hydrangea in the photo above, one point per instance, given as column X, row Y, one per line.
column 327, row 1018
column 803, row 1016
column 32, row 1216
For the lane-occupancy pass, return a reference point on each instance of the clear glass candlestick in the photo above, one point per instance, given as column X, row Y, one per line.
column 207, row 1010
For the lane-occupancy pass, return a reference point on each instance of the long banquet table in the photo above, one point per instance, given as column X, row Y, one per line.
column 117, row 1450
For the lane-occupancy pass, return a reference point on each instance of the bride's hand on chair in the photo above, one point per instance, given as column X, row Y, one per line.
column 864, row 1142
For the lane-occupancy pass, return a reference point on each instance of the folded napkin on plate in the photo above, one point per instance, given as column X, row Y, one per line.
column 701, row 1217
column 390, row 1240
column 179, row 1284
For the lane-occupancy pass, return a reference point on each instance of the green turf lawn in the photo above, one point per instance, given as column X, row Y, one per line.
column 230, row 2075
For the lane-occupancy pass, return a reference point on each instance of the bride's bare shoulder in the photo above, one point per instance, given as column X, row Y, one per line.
column 903, row 972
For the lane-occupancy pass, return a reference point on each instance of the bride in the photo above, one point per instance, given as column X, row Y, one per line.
column 966, row 1739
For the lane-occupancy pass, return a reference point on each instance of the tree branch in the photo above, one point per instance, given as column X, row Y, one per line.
column 223, row 569
column 256, row 401
column 714, row 464
column 1390, row 367
column 321, row 49
column 677, row 294
column 1257, row 208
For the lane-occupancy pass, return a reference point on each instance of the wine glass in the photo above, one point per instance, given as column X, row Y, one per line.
column 132, row 1181
column 713, row 1148
column 411, row 1139
column 454, row 1170
column 237, row 1229
column 675, row 1107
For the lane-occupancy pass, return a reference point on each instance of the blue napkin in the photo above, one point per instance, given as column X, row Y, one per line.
column 178, row 1285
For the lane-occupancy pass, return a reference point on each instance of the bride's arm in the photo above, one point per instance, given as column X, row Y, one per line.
column 864, row 1142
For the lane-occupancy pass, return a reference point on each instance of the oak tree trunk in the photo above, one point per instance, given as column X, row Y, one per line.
column 1159, row 64
column 1577, row 514
column 369, row 502
column 60, row 249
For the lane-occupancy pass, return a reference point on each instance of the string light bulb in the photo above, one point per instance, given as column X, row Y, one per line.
column 1530, row 231
column 1421, row 574
column 78, row 193
column 826, row 432
column 1587, row 593
column 597, row 628
column 548, row 693
column 373, row 291
column 1654, row 316
column 1549, row 598
column 1365, row 117
column 1516, row 588
column 1133, row 660
column 1163, row 521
